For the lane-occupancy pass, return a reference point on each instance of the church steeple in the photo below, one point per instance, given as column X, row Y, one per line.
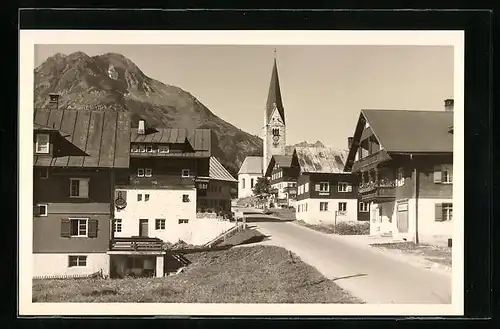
column 274, row 100
column 274, row 130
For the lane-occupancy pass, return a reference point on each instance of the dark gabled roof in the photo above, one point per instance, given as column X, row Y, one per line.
column 283, row 161
column 411, row 131
column 199, row 139
column 103, row 136
column 320, row 159
column 274, row 96
column 218, row 172
column 251, row 165
column 403, row 131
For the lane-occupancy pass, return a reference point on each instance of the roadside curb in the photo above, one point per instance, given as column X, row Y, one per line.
column 396, row 255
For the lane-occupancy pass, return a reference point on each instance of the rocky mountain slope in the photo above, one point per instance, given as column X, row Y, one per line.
column 112, row 82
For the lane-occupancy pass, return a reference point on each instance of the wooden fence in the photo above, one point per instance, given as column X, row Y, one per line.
column 97, row 275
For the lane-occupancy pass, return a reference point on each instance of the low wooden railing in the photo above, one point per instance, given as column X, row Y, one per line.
column 136, row 244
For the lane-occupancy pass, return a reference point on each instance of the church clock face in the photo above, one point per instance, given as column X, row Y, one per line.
column 276, row 140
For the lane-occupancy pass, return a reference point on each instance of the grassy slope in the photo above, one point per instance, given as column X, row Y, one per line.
column 258, row 274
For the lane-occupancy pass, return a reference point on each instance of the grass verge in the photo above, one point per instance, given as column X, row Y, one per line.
column 257, row 274
column 436, row 254
column 340, row 228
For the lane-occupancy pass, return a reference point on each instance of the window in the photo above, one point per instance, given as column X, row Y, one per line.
column 163, row 149
column 134, row 148
column 41, row 210
column 400, row 180
column 251, row 183
column 342, row 206
column 183, row 221
column 77, row 261
column 140, row 172
column 243, row 183
column 185, row 198
column 443, row 174
column 220, row 189
column 363, row 207
column 146, row 197
column 78, row 227
column 117, row 225
column 345, row 187
column 149, row 148
column 42, row 143
column 160, row 224
column 79, row 188
column 444, row 212
column 185, row 172
column 306, row 206
column 142, row 148
column 148, row 172
column 139, row 197
column 154, row 149
column 323, row 206
column 323, row 187
column 276, row 131
column 306, row 187
column 43, row 173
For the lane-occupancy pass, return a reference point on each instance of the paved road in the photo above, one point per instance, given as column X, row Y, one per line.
column 367, row 274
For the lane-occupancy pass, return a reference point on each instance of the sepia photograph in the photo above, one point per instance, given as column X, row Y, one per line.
column 313, row 174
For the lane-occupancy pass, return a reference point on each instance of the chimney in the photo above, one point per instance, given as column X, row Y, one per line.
column 53, row 101
column 349, row 142
column 141, row 129
column 448, row 104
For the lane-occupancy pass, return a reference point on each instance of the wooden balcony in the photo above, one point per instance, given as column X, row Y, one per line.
column 136, row 244
column 377, row 191
column 371, row 161
column 158, row 181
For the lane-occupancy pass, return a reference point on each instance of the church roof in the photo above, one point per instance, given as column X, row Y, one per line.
column 274, row 96
column 251, row 165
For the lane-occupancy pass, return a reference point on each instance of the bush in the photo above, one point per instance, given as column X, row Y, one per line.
column 352, row 229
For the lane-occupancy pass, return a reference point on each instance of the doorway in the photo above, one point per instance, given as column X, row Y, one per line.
column 403, row 217
column 143, row 227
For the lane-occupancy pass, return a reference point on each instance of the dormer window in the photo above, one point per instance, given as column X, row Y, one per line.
column 42, row 143
column 276, row 132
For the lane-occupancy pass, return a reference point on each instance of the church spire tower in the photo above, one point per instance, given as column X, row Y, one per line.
column 274, row 120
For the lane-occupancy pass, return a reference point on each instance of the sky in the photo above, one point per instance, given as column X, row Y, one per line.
column 323, row 87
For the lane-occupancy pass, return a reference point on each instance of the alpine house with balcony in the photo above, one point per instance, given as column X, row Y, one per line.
column 156, row 200
column 325, row 193
column 404, row 161
column 283, row 180
column 76, row 157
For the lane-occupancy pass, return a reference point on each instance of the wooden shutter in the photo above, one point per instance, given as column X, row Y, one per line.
column 317, row 187
column 439, row 212
column 36, row 210
column 65, row 228
column 92, row 228
column 84, row 188
column 438, row 175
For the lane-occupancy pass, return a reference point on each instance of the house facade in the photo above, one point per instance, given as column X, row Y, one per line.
column 221, row 189
column 404, row 161
column 325, row 193
column 283, row 180
column 76, row 157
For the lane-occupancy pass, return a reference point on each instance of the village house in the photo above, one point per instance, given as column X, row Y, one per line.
column 325, row 193
column 221, row 189
column 76, row 157
column 404, row 160
column 156, row 201
column 283, row 180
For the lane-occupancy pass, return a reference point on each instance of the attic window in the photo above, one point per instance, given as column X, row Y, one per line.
column 42, row 143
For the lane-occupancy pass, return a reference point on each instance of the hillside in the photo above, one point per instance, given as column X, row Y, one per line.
column 112, row 82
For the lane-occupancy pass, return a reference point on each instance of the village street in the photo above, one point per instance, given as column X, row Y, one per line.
column 366, row 273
